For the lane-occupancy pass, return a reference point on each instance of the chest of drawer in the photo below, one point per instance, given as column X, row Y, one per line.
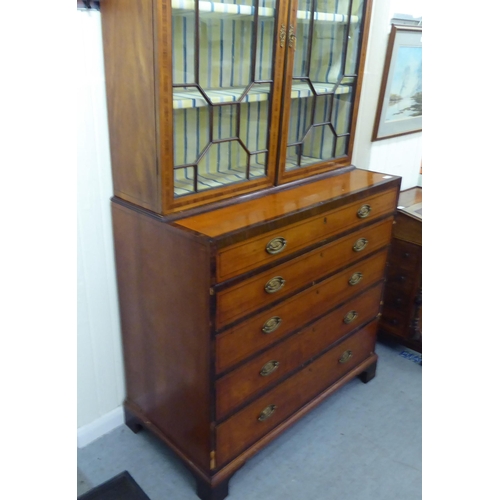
column 245, row 256
column 277, row 362
column 258, row 418
column 266, row 328
column 269, row 286
column 404, row 255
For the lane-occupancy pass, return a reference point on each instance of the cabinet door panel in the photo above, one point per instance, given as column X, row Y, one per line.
column 223, row 81
column 322, row 69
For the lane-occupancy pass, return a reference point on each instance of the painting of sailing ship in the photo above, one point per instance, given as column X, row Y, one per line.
column 399, row 109
column 405, row 99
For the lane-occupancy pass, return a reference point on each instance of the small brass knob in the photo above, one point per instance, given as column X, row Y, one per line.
column 355, row 279
column 276, row 245
column 269, row 368
column 271, row 324
column 267, row 412
column 274, row 284
column 364, row 211
column 350, row 317
column 360, row 244
column 346, row 356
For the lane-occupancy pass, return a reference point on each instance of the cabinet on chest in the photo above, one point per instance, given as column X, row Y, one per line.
column 238, row 321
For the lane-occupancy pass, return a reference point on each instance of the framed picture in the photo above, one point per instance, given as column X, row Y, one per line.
column 399, row 109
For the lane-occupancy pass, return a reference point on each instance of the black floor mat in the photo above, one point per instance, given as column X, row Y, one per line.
column 120, row 487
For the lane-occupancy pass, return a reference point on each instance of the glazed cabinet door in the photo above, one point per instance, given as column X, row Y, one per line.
column 221, row 74
column 323, row 67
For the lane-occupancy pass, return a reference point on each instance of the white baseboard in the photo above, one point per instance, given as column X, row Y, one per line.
column 90, row 432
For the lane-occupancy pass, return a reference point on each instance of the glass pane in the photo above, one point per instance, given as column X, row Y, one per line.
column 254, row 118
column 318, row 144
column 224, row 163
column 300, row 119
column 323, row 109
column 192, row 133
column 225, row 118
column 184, row 181
column 341, row 146
column 325, row 76
column 222, row 50
column 258, row 164
column 354, row 40
column 341, row 116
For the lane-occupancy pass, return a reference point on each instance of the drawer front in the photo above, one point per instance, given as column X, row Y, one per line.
column 402, row 280
column 396, row 320
column 270, row 286
column 248, row 255
column 263, row 329
column 405, row 255
column 254, row 421
column 234, row 388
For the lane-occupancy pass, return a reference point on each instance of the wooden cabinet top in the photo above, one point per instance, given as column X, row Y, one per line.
column 288, row 205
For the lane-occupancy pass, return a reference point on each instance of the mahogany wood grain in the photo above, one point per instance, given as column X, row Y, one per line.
column 401, row 318
column 408, row 229
column 404, row 256
column 127, row 28
column 247, row 338
column 166, row 347
column 247, row 255
column 244, row 428
column 236, row 301
column 322, row 193
column 238, row 385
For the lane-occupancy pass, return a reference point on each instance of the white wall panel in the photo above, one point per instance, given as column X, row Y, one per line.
column 100, row 368
column 398, row 155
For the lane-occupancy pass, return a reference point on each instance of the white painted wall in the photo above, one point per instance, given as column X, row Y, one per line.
column 398, row 155
column 100, row 369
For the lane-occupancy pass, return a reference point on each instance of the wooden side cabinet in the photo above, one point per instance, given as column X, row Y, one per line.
column 402, row 310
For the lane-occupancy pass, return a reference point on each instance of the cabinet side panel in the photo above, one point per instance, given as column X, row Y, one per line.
column 127, row 28
column 164, row 281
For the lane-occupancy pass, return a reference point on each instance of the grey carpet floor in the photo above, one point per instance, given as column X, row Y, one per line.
column 363, row 443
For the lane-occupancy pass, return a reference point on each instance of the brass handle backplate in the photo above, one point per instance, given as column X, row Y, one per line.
column 292, row 39
column 346, row 356
column 364, row 211
column 282, row 35
column 267, row 412
column 271, row 324
column 360, row 244
column 276, row 245
column 269, row 368
column 355, row 278
column 274, row 284
column 350, row 317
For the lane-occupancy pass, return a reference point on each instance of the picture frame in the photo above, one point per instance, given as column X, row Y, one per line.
column 399, row 109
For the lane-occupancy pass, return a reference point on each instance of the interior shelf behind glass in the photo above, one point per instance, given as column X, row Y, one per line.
column 186, row 98
column 218, row 10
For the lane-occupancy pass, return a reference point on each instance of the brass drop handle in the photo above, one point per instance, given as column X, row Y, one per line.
column 282, row 35
column 269, row 368
column 350, row 317
column 292, row 39
column 355, row 279
column 267, row 412
column 274, row 284
column 276, row 245
column 271, row 324
column 360, row 244
column 346, row 356
column 364, row 211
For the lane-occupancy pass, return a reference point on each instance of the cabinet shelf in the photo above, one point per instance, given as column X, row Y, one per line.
column 219, row 10
column 209, row 180
column 191, row 98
